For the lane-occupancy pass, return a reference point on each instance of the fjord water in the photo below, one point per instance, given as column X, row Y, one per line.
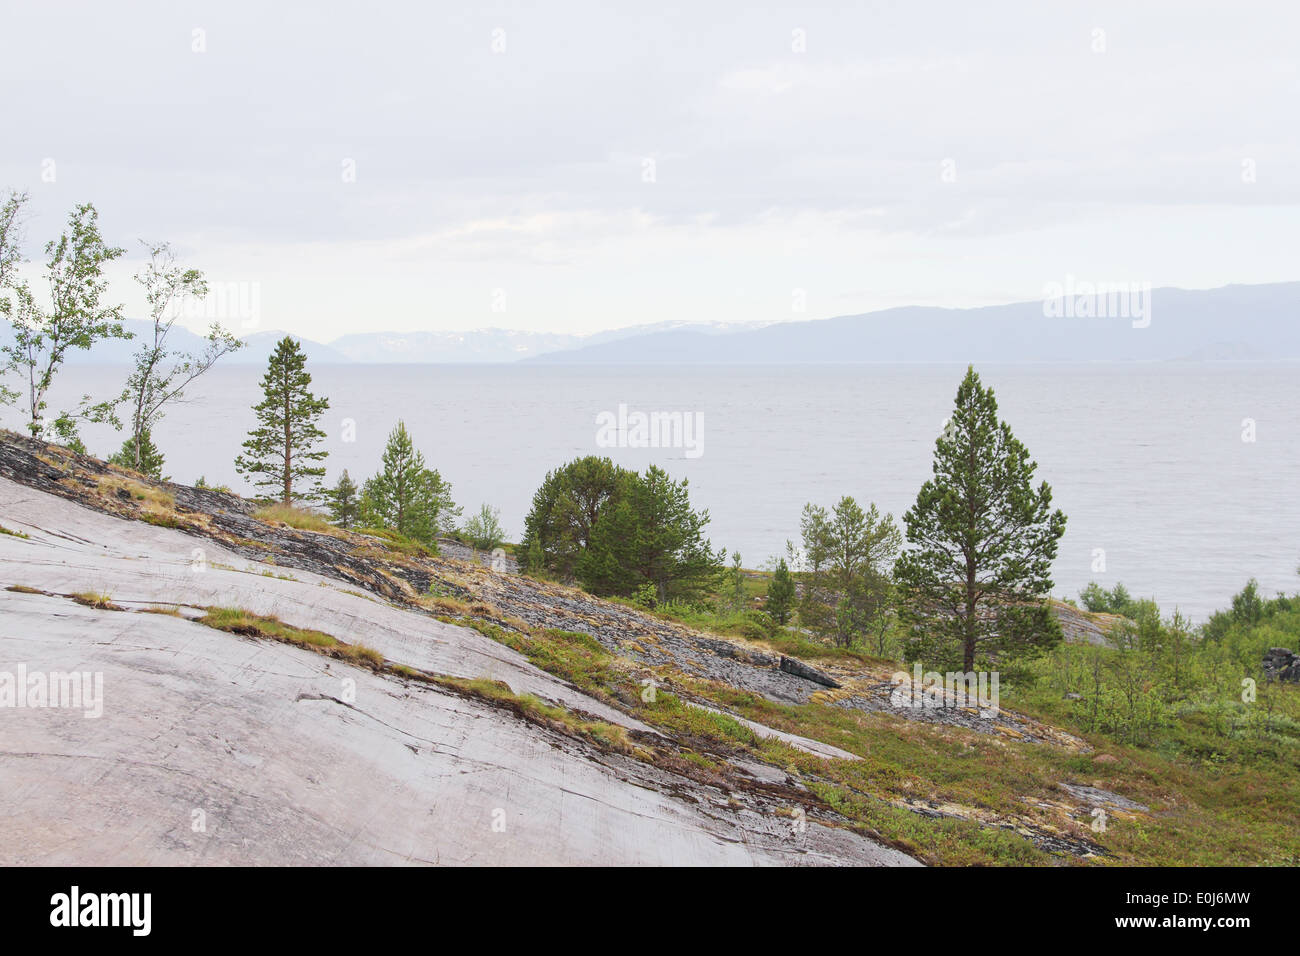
column 1147, row 460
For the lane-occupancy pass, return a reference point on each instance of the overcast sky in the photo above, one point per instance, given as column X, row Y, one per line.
column 602, row 165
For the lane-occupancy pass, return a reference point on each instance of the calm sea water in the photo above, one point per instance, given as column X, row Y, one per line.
column 1148, row 462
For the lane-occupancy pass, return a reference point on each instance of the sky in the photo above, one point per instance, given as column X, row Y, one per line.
column 457, row 166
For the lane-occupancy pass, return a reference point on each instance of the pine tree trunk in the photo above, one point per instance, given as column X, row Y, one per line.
column 288, row 453
column 968, row 661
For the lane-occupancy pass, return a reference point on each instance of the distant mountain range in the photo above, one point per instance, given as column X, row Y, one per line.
column 1236, row 322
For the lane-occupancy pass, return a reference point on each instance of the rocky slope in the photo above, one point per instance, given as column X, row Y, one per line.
column 413, row 727
column 214, row 747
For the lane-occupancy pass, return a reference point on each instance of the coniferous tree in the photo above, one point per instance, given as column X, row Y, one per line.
column 780, row 593
column 672, row 552
column 344, row 501
column 279, row 452
column 144, row 457
column 617, row 532
column 565, row 510
column 406, row 496
column 534, row 562
column 736, row 576
column 981, row 542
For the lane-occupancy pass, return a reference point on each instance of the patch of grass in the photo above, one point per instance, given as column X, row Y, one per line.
column 577, row 658
column 95, row 599
column 301, row 518
column 536, row 710
column 943, row 841
column 161, row 520
column 671, row 713
column 12, row 533
column 750, row 625
column 24, row 589
column 162, row 609
column 248, row 624
column 399, row 542
column 151, row 498
column 445, row 605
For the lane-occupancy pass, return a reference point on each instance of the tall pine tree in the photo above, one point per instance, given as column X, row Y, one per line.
column 279, row 451
column 981, row 542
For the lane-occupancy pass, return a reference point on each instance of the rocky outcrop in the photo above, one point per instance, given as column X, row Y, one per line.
column 214, row 747
column 200, row 718
column 807, row 672
column 1282, row 664
column 1084, row 627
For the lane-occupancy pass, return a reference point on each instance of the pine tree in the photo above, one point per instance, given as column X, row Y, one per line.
column 144, row 458
column 780, row 593
column 672, row 552
column 279, row 450
column 344, row 501
column 565, row 510
column 406, row 496
column 736, row 573
column 616, row 531
column 981, row 541
column 534, row 561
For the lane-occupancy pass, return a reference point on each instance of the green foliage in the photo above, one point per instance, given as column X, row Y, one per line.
column 981, row 543
column 77, row 318
column 736, row 582
column 343, row 501
column 10, row 258
column 617, row 531
column 1157, row 684
column 646, row 597
column 161, row 374
column 1115, row 601
column 1248, row 608
column 847, row 592
column 534, row 562
column 780, row 593
column 563, row 516
column 279, row 451
column 484, row 529
column 142, row 456
column 66, row 434
column 406, row 496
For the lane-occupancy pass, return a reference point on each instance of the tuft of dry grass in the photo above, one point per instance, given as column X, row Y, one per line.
column 303, row 519
column 239, row 621
column 95, row 599
column 150, row 498
column 535, row 710
column 161, row 609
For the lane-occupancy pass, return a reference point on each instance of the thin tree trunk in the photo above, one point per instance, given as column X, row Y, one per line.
column 969, row 659
column 288, row 449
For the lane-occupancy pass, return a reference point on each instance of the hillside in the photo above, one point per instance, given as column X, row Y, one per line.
column 323, row 696
column 1235, row 322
